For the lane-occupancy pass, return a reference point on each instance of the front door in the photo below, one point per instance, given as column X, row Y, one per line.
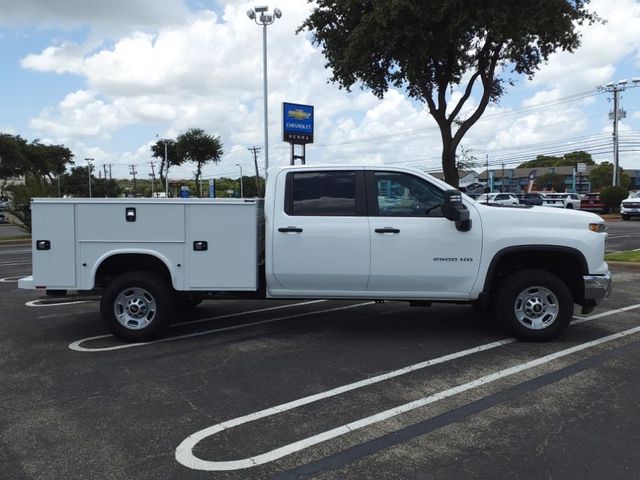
column 415, row 251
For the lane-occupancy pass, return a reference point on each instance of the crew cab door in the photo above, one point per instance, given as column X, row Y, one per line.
column 415, row 251
column 319, row 234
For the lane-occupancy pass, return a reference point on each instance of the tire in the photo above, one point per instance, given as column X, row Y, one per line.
column 187, row 301
column 570, row 206
column 534, row 305
column 137, row 306
column 625, row 217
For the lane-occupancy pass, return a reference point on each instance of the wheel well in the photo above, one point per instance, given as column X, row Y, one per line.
column 129, row 262
column 567, row 264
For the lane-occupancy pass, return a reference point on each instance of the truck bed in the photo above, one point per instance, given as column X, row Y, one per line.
column 206, row 244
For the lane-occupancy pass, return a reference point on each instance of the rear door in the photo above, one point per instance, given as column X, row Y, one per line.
column 320, row 233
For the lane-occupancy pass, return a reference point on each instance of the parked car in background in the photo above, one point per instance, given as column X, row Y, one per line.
column 591, row 202
column 562, row 200
column 630, row 207
column 530, row 198
column 498, row 198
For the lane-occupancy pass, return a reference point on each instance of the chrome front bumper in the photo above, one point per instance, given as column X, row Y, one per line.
column 597, row 288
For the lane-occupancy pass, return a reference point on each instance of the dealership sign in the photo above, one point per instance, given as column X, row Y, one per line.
column 297, row 123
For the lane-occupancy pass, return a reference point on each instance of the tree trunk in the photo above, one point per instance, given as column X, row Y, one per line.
column 449, row 169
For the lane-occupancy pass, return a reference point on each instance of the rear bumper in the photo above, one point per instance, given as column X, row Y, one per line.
column 26, row 283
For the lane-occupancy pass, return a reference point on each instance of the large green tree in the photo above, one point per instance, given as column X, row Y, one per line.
column 601, row 176
column 551, row 181
column 197, row 146
column 429, row 47
column 12, row 159
column 568, row 160
column 47, row 161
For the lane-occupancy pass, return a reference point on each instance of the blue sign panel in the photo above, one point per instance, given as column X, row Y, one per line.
column 297, row 123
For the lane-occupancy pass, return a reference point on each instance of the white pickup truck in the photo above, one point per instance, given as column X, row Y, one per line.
column 331, row 232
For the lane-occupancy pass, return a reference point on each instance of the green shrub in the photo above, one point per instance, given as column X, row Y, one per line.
column 612, row 196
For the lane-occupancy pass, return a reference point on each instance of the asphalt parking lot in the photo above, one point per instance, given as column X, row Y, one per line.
column 320, row 389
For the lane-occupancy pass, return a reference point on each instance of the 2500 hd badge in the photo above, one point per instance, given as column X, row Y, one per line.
column 452, row 259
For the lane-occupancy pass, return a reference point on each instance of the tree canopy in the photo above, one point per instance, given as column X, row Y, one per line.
column 427, row 48
column 602, row 176
column 567, row 160
column 20, row 158
column 195, row 145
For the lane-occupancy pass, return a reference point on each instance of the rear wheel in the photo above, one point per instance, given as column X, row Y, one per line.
column 535, row 305
column 625, row 217
column 137, row 306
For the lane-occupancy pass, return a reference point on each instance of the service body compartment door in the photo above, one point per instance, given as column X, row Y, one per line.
column 55, row 266
column 320, row 239
column 222, row 249
column 415, row 251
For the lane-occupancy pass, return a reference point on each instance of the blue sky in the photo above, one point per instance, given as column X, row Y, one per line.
column 105, row 79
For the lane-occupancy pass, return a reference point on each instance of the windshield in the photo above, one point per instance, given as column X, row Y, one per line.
column 634, row 194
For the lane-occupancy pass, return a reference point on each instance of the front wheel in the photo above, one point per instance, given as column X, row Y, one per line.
column 535, row 305
column 137, row 306
column 625, row 217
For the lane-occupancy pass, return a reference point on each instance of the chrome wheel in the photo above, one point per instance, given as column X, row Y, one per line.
column 135, row 308
column 536, row 308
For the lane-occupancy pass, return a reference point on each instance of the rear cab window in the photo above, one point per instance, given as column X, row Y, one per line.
column 325, row 193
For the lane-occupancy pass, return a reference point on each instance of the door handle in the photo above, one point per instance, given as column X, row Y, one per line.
column 290, row 230
column 387, row 230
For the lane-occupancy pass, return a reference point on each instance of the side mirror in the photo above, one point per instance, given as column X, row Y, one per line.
column 456, row 211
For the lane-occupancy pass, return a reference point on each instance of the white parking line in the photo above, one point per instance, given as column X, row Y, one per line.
column 184, row 452
column 16, row 263
column 11, row 279
column 39, row 304
column 76, row 346
column 12, row 252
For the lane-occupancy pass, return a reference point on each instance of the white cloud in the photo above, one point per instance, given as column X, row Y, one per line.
column 205, row 70
column 115, row 13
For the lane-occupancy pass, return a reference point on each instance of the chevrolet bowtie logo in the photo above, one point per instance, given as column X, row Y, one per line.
column 299, row 114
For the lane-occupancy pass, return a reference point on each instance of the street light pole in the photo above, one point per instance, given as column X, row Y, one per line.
column 265, row 19
column 241, row 186
column 89, row 168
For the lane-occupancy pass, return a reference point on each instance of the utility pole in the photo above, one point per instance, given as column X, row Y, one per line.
column 153, row 177
column 104, row 169
column 255, row 151
column 133, row 172
column 616, row 115
column 166, row 166
column 110, row 177
column 90, row 169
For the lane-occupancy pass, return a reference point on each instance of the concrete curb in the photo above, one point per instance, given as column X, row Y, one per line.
column 8, row 243
column 624, row 265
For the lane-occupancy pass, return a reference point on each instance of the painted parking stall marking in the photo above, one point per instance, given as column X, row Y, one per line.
column 77, row 345
column 11, row 279
column 53, row 303
column 15, row 263
column 184, row 452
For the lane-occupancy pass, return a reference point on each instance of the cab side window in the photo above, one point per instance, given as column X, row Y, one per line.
column 404, row 195
column 325, row 193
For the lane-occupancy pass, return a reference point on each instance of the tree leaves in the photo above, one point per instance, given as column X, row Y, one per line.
column 427, row 48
